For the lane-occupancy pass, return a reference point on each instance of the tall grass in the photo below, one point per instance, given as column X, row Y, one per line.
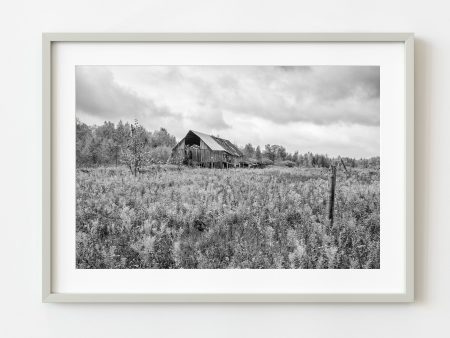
column 239, row 218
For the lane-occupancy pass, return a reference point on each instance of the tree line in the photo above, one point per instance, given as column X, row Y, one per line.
column 276, row 154
column 127, row 144
column 132, row 145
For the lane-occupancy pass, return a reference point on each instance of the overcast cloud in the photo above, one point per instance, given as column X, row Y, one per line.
column 324, row 109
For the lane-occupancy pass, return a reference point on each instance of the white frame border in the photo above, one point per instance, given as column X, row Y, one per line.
column 50, row 297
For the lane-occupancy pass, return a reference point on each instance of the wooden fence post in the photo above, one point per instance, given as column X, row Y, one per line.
column 332, row 184
column 345, row 167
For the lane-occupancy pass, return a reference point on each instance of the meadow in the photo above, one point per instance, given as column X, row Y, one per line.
column 171, row 217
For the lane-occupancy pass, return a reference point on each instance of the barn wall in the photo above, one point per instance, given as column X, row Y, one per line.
column 203, row 145
column 179, row 149
column 200, row 155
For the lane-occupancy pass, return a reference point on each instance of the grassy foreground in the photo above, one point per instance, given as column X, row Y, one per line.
column 238, row 218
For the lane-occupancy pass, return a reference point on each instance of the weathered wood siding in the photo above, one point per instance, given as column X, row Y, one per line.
column 203, row 145
column 179, row 150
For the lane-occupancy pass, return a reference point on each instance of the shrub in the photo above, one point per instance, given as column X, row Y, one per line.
column 266, row 161
column 288, row 164
column 159, row 155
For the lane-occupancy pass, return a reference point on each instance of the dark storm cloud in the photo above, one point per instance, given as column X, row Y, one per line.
column 337, row 83
column 320, row 94
column 97, row 94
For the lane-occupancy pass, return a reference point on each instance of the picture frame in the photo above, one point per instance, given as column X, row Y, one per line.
column 48, row 227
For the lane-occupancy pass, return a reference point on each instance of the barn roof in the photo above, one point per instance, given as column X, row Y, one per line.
column 209, row 140
column 217, row 143
column 228, row 146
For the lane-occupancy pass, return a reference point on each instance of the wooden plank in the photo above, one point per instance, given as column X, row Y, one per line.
column 331, row 200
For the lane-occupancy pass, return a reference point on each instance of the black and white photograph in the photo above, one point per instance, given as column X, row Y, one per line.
column 227, row 167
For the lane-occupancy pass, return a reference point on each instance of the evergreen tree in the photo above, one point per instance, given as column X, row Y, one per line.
column 249, row 150
column 258, row 154
column 295, row 158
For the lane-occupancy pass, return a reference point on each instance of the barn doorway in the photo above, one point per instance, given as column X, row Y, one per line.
column 191, row 139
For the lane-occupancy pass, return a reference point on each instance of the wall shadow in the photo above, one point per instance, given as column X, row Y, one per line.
column 422, row 164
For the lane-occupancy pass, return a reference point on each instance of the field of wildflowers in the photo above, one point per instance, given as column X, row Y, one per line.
column 177, row 217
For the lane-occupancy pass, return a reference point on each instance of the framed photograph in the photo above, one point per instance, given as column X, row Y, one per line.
column 228, row 167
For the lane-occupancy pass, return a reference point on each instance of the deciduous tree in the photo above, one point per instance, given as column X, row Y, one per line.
column 134, row 154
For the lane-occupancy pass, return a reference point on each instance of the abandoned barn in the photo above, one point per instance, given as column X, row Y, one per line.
column 208, row 151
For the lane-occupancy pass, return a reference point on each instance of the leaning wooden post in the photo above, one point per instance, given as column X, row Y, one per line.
column 332, row 185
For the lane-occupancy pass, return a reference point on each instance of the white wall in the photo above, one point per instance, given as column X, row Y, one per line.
column 23, row 315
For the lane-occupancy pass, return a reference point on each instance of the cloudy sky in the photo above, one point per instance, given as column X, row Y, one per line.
column 333, row 110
